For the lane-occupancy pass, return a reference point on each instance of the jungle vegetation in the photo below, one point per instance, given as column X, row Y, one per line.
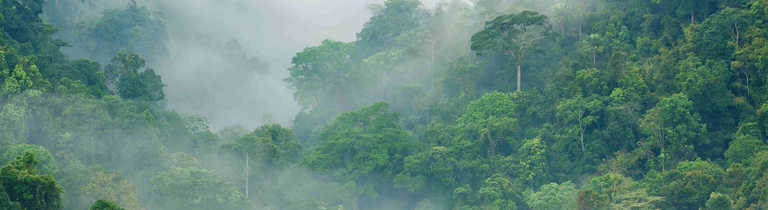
column 489, row 104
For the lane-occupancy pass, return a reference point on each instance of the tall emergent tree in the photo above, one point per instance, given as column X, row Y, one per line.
column 515, row 35
column 268, row 148
column 322, row 73
column 131, row 80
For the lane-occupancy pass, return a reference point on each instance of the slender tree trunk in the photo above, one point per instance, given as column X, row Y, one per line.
column 581, row 138
column 746, row 77
column 693, row 17
column 594, row 58
column 518, row 76
column 469, row 52
column 581, row 133
column 736, row 30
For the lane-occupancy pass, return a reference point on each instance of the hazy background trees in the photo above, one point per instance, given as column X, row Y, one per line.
column 487, row 104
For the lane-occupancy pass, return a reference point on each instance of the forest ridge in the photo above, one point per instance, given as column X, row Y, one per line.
column 467, row 105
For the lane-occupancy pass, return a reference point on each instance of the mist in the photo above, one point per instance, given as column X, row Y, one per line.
column 203, row 80
column 383, row 104
column 226, row 60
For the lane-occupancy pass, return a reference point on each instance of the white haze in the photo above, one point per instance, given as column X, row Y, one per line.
column 200, row 76
column 210, row 41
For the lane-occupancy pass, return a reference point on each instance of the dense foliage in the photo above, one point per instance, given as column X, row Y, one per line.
column 497, row 104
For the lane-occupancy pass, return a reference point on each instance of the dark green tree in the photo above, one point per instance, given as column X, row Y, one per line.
column 499, row 192
column 396, row 17
column 366, row 147
column 673, row 129
column 29, row 189
column 578, row 114
column 128, row 77
column 688, row 186
column 5, row 201
column 323, row 73
column 491, row 122
column 133, row 28
column 105, row 205
column 533, row 161
column 514, row 35
column 719, row 201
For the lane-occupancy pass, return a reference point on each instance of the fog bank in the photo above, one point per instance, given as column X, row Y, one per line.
column 228, row 58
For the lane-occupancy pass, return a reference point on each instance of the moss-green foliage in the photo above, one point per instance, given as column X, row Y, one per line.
column 5, row 201
column 131, row 81
column 194, row 188
column 366, row 148
column 553, row 196
column 25, row 187
column 100, row 34
column 105, row 205
column 630, row 104
column 719, row 201
column 46, row 163
column 650, row 100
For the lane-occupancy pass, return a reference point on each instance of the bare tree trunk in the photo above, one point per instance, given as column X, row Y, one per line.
column 736, row 30
column 581, row 137
column 746, row 76
column 581, row 133
column 594, row 58
column 693, row 17
column 518, row 76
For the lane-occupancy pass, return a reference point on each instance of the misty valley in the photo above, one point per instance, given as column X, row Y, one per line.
column 383, row 104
